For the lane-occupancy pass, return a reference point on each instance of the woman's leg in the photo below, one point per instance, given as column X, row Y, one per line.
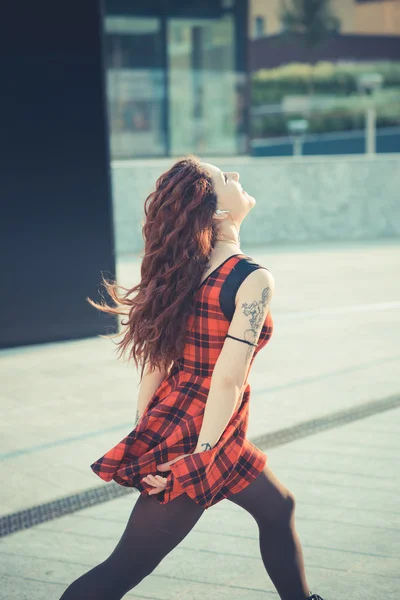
column 272, row 506
column 152, row 531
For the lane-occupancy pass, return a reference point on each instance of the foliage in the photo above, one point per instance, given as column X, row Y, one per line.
column 272, row 85
column 314, row 19
column 337, row 119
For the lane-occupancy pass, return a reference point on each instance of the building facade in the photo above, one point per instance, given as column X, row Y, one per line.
column 177, row 77
column 360, row 17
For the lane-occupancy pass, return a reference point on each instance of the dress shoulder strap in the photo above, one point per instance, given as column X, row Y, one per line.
column 233, row 281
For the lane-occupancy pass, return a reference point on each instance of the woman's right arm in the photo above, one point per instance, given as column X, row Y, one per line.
column 229, row 377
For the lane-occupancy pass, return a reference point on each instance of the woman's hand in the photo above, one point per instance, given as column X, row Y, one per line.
column 157, row 481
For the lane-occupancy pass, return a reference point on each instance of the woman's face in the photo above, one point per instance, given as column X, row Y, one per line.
column 230, row 194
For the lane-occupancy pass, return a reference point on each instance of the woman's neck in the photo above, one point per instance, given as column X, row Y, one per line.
column 222, row 246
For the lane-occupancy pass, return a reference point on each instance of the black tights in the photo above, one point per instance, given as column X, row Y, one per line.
column 154, row 529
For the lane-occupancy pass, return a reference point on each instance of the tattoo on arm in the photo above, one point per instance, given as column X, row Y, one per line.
column 256, row 311
column 137, row 417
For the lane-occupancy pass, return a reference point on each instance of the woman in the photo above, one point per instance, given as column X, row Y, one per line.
column 200, row 315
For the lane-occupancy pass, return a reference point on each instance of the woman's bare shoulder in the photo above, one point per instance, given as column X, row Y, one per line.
column 258, row 282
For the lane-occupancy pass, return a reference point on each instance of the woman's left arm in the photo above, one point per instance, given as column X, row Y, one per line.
column 149, row 384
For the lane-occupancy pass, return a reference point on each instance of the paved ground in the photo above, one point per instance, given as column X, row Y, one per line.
column 335, row 345
column 346, row 482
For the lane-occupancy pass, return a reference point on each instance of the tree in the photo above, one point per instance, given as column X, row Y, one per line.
column 313, row 19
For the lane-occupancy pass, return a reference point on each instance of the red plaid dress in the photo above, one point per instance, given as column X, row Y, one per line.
column 171, row 422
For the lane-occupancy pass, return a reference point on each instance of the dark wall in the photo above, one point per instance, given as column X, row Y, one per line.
column 172, row 8
column 276, row 50
column 56, row 230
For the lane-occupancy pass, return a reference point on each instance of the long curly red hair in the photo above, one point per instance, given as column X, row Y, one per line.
column 179, row 234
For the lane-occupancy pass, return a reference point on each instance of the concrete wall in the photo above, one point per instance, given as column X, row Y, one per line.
column 306, row 199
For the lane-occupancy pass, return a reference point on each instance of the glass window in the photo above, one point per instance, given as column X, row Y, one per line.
column 206, row 93
column 259, row 27
column 135, row 86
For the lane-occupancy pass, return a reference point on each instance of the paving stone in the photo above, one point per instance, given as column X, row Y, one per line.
column 345, row 480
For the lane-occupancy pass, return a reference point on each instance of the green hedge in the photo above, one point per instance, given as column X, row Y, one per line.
column 271, row 85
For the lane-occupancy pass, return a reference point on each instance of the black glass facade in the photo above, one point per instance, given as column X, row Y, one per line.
column 177, row 77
